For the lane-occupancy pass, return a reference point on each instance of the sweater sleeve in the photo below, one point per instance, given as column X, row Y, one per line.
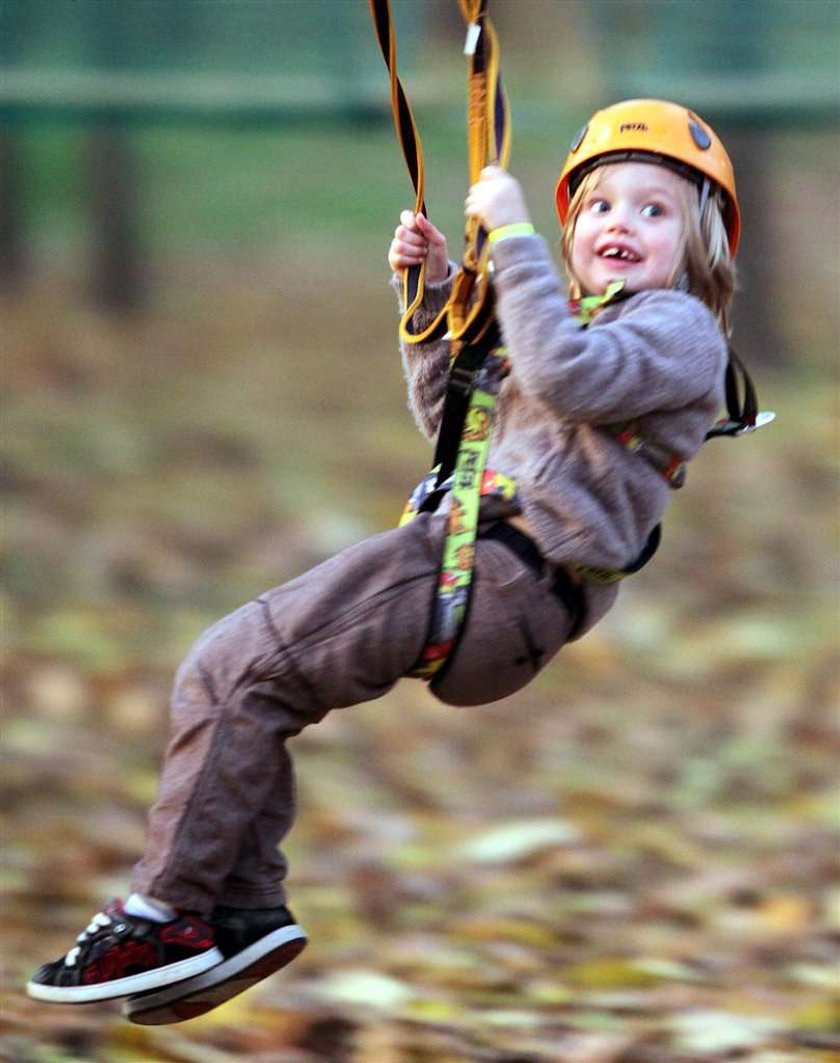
column 426, row 365
column 660, row 350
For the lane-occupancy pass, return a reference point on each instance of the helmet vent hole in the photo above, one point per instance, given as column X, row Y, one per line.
column 580, row 136
column 699, row 135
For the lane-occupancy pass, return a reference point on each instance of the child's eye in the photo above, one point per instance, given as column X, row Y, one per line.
column 599, row 206
column 652, row 210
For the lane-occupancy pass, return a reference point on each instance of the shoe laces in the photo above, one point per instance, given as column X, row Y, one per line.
column 99, row 922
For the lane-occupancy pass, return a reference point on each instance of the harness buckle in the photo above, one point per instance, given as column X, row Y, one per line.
column 761, row 419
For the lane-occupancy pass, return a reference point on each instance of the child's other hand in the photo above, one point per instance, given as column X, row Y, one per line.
column 415, row 239
column 496, row 199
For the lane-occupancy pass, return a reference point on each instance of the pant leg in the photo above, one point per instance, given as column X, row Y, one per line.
column 260, row 865
column 339, row 635
column 343, row 633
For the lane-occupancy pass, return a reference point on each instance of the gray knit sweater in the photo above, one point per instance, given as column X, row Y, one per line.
column 658, row 358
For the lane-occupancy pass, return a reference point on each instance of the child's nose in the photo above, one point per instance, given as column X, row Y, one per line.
column 620, row 219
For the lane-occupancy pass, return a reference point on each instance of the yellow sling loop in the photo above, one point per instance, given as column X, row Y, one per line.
column 468, row 310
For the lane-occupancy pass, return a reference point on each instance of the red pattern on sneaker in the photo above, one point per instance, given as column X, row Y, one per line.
column 187, row 931
column 118, row 960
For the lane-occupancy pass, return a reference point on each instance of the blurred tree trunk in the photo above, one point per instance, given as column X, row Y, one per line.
column 13, row 259
column 118, row 268
column 13, row 264
column 757, row 335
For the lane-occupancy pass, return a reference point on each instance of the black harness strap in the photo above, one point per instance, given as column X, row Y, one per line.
column 742, row 411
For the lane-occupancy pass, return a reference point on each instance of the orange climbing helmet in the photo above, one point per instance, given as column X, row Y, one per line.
column 652, row 131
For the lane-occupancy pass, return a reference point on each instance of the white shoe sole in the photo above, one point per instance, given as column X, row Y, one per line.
column 194, row 997
column 195, row 966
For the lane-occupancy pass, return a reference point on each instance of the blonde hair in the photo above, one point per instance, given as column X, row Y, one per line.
column 705, row 267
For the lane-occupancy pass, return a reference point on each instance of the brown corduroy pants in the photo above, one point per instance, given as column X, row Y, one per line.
column 341, row 634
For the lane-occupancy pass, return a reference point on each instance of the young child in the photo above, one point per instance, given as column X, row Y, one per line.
column 594, row 423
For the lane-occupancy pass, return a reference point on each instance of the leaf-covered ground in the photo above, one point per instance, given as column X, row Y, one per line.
column 634, row 861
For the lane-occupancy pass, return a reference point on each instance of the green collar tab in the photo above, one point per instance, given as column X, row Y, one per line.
column 585, row 308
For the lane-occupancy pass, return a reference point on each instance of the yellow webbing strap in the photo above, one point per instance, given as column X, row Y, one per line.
column 468, row 310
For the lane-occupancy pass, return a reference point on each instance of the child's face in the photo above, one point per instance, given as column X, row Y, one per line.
column 630, row 228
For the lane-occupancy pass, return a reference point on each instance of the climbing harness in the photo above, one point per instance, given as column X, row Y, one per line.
column 478, row 361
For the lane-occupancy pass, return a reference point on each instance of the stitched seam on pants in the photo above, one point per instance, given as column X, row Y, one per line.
column 216, row 744
column 432, row 545
column 180, row 837
column 348, row 619
column 351, row 619
column 208, row 770
column 206, row 682
column 287, row 654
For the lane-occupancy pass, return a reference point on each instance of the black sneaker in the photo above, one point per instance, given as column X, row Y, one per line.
column 255, row 943
column 119, row 954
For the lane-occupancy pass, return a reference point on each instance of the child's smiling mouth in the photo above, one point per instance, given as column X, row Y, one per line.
column 618, row 252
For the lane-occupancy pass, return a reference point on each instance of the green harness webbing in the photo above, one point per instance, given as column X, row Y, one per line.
column 469, row 481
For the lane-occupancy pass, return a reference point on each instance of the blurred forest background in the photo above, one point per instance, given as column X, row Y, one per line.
column 635, row 860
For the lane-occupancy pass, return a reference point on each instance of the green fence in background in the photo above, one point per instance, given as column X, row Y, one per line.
column 105, row 67
column 757, row 60
column 208, row 59
column 765, row 62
